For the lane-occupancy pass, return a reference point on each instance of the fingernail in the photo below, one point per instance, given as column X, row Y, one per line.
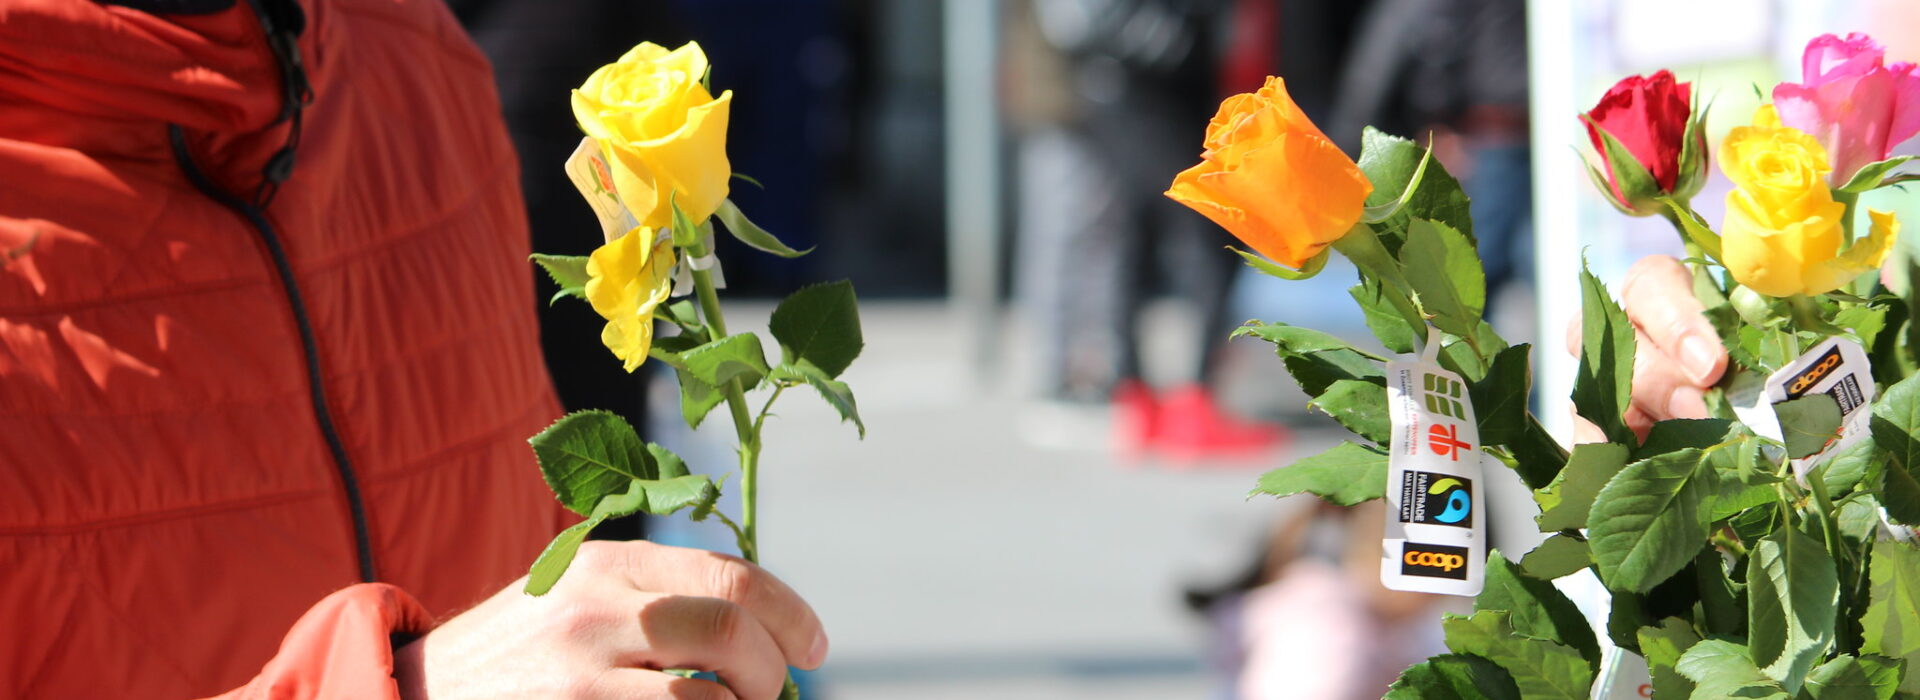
column 1686, row 402
column 1699, row 356
column 818, row 654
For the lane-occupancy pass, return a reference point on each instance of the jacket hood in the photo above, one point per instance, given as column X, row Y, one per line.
column 205, row 72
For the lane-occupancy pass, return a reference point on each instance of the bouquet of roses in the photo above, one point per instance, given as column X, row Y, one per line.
column 1764, row 552
column 654, row 168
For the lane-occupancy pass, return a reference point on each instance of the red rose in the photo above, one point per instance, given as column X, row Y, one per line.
column 1650, row 117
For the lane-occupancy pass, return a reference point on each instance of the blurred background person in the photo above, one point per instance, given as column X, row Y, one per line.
column 1118, row 91
column 1310, row 619
column 1452, row 73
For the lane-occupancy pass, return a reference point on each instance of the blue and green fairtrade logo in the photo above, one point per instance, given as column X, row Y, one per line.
column 1436, row 499
column 1459, row 501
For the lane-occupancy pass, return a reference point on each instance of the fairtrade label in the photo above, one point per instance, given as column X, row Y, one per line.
column 1435, row 539
column 588, row 170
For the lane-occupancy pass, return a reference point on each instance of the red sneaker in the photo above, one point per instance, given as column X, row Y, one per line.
column 1192, row 426
column 1135, row 417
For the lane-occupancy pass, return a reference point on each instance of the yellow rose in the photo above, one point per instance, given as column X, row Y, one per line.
column 660, row 129
column 1783, row 231
column 1272, row 179
column 626, row 279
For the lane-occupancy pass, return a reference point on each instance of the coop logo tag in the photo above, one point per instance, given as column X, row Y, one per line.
column 1434, row 560
column 1806, row 380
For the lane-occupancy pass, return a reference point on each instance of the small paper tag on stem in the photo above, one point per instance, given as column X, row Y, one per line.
column 588, row 170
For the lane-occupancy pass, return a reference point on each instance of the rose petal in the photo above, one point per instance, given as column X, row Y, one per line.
column 1828, row 58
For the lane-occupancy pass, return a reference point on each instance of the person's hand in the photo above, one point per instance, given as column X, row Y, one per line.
column 1678, row 354
column 623, row 611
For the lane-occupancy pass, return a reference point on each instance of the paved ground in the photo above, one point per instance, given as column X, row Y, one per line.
column 980, row 545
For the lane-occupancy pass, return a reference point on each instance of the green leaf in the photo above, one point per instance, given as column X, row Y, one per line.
column 1536, row 609
column 1389, row 323
column 1662, row 646
column 1850, row 678
column 1626, row 615
column 734, row 357
column 1383, row 212
column 697, row 399
column 567, row 271
column 1390, row 163
column 1540, row 669
column 1539, row 456
column 1444, row 270
column 668, row 496
column 1891, row 625
column 1679, row 434
column 1869, row 176
column 820, row 324
column 666, row 464
column 1312, row 267
column 1291, row 339
column 1345, row 475
column 1603, row 387
column 1896, row 428
column 1649, row 519
column 1561, row 555
column 1722, row 611
column 1721, row 669
column 1901, row 497
column 1454, row 677
column 682, row 314
column 1315, row 359
column 1500, row 400
column 836, row 393
column 589, row 455
column 554, row 560
column 1858, row 519
column 1808, row 423
column 1564, row 504
column 1866, row 322
column 746, row 232
column 1360, row 406
column 1792, row 593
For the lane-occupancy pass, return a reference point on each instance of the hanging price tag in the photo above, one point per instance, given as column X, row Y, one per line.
column 1436, row 534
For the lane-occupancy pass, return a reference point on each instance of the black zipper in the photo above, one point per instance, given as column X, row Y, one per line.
column 310, row 347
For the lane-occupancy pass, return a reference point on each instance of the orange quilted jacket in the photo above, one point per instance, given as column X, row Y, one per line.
column 176, row 488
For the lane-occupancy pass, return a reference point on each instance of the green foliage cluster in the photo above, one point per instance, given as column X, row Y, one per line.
column 599, row 467
column 1728, row 575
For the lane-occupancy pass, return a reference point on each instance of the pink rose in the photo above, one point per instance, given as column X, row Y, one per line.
column 1856, row 107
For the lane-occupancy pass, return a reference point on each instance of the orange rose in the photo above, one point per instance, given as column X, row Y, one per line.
column 1272, row 179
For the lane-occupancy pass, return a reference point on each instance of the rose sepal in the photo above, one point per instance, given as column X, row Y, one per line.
column 1873, row 176
column 1692, row 173
column 1380, row 213
column 1639, row 193
column 1312, row 267
column 1694, row 228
